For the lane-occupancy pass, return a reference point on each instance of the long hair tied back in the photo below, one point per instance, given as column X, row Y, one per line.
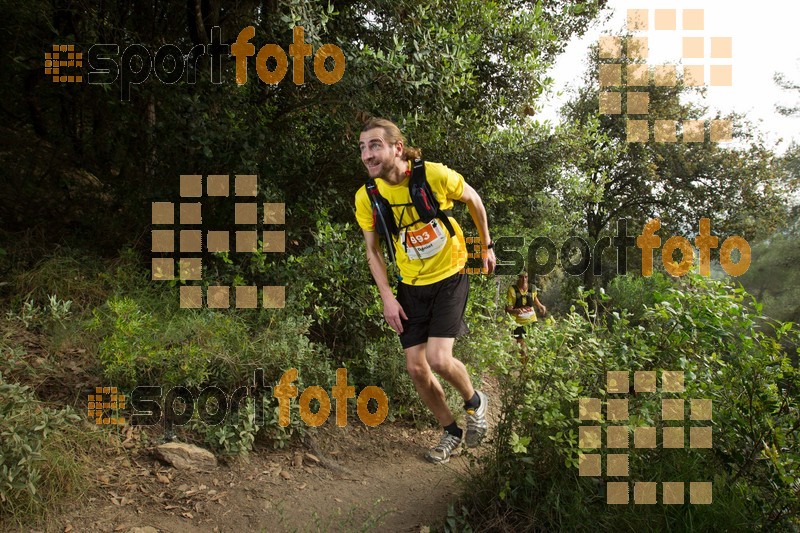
column 392, row 134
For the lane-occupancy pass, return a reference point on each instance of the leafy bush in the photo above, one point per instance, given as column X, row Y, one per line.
column 73, row 276
column 278, row 435
column 704, row 328
column 198, row 348
column 32, row 316
column 633, row 293
column 142, row 348
column 142, row 338
column 39, row 452
column 773, row 276
column 14, row 363
column 234, row 435
column 238, row 432
column 333, row 285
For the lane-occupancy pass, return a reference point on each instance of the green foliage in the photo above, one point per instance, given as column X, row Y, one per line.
column 281, row 436
column 235, row 435
column 791, row 166
column 139, row 348
column 786, row 83
column 700, row 326
column 39, row 452
column 346, row 309
column 67, row 274
column 102, row 160
column 14, row 361
column 141, row 338
column 741, row 188
column 634, row 293
column 383, row 364
column 142, row 343
column 31, row 315
column 489, row 340
column 457, row 521
column 27, row 315
column 773, row 277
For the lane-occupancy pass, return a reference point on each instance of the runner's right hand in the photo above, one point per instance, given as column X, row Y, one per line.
column 392, row 312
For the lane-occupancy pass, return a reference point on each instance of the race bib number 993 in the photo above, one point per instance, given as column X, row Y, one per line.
column 424, row 242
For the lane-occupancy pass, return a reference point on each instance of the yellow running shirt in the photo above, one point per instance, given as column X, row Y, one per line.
column 511, row 298
column 429, row 254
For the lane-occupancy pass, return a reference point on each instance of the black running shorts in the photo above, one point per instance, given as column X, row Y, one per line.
column 435, row 310
column 520, row 331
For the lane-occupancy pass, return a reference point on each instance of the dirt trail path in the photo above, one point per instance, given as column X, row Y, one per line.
column 371, row 479
column 375, row 479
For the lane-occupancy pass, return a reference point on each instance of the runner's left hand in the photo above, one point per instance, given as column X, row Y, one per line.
column 489, row 260
column 393, row 313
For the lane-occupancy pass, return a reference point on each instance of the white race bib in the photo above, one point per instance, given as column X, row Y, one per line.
column 424, row 242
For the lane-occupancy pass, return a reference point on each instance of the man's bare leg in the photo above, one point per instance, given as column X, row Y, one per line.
column 428, row 387
column 437, row 356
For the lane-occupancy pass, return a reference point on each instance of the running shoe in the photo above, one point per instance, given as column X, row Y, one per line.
column 441, row 452
column 476, row 423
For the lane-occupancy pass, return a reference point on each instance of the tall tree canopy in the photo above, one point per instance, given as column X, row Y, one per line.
column 739, row 186
column 75, row 153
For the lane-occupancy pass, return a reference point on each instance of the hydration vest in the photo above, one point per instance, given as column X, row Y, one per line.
column 520, row 296
column 422, row 198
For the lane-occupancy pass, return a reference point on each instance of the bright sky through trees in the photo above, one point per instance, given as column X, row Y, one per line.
column 764, row 41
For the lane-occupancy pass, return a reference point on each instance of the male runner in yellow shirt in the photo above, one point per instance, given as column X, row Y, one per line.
column 520, row 301
column 428, row 312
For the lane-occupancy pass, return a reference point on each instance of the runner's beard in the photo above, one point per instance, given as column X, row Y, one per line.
column 382, row 170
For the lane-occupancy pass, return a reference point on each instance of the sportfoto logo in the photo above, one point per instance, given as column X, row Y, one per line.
column 510, row 260
column 170, row 63
column 149, row 406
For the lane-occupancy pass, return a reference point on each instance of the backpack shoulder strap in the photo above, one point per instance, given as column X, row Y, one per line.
column 418, row 171
column 382, row 215
column 419, row 181
column 517, row 296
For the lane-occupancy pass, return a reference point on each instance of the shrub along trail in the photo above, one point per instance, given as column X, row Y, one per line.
column 352, row 478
